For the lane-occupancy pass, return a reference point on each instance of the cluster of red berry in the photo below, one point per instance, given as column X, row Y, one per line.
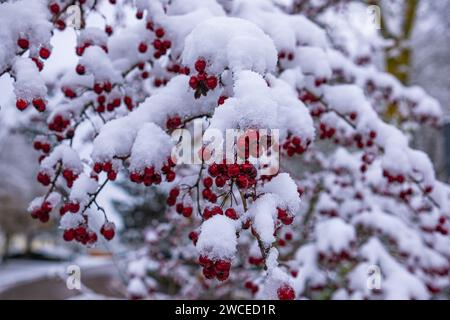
column 44, row 146
column 293, row 145
column 69, row 176
column 149, row 175
column 362, row 141
column 219, row 269
column 287, row 237
column 181, row 208
column 81, row 234
column 286, row 55
column 38, row 103
column 73, row 207
column 59, row 123
column 326, row 131
column 392, row 177
column 176, row 68
column 105, row 167
column 43, row 178
column 256, row 261
column 244, row 175
column 308, row 97
column 160, row 45
column 284, row 216
column 43, row 212
column 79, row 50
column 202, row 82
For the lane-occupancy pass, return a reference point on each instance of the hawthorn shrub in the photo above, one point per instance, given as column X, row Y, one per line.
column 350, row 195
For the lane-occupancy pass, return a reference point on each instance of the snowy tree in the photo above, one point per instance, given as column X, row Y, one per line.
column 17, row 188
column 351, row 200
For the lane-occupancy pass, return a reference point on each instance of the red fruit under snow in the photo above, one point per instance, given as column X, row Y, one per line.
column 39, row 104
column 21, row 104
column 211, row 82
column 231, row 213
column 200, row 65
column 44, row 53
column 23, row 43
column 108, row 230
column 286, row 292
column 142, row 47
column 69, row 235
column 193, row 82
column 54, row 8
column 80, row 69
column 159, row 32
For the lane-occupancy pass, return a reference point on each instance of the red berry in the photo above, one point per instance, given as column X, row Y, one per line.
column 44, row 217
column 108, row 230
column 98, row 88
column 171, row 201
column 54, row 8
column 208, row 182
column 112, row 175
column 74, row 207
column 39, row 104
column 23, row 43
column 200, row 65
column 38, row 63
column 204, row 261
column 174, row 192
column 209, row 272
column 231, row 213
column 21, row 104
column 221, row 100
column 193, row 82
column 159, row 32
column 179, row 208
column 211, row 82
column 242, row 182
column 286, row 292
column 167, row 44
column 220, row 181
column 281, row 213
column 44, row 53
column 187, row 212
column 69, row 93
column 108, row 30
column 80, row 69
column 428, row 189
column 107, row 86
column 288, row 220
column 69, row 234
column 222, row 265
column 233, row 170
column 142, row 47
column 193, row 236
column 222, row 276
column 60, row 24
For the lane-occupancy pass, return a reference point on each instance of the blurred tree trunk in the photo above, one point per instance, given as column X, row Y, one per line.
column 5, row 249
column 398, row 55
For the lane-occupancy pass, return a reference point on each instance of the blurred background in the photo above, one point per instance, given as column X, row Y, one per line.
column 34, row 258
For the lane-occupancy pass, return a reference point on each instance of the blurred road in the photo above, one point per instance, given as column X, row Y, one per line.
column 37, row 280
